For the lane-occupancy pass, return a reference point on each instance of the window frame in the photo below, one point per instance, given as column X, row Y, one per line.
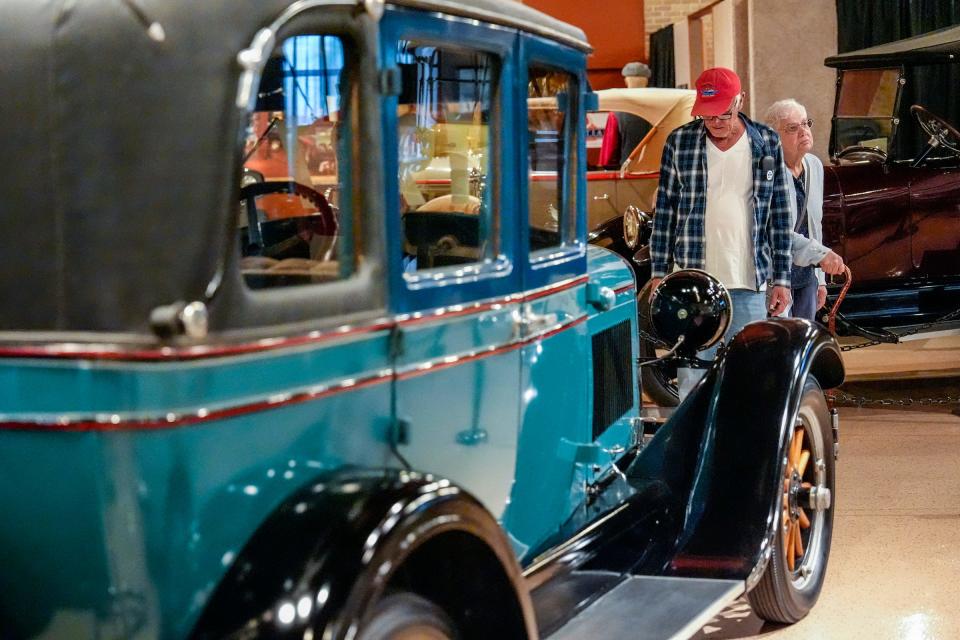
column 495, row 275
column 345, row 163
column 493, row 259
column 568, row 259
column 238, row 309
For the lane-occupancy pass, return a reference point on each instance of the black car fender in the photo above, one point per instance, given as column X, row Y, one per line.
column 719, row 455
column 609, row 234
column 328, row 553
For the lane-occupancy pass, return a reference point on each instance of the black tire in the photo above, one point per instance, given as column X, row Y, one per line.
column 407, row 616
column 786, row 593
column 658, row 381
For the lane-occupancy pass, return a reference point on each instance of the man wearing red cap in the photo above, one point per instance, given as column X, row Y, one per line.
column 722, row 204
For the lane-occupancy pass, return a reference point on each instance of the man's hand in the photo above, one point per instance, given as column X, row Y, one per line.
column 821, row 296
column 832, row 264
column 779, row 299
column 653, row 287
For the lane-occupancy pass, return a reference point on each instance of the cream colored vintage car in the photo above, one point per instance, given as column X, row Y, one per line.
column 635, row 183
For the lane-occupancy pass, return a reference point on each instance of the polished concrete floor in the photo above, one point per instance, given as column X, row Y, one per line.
column 894, row 570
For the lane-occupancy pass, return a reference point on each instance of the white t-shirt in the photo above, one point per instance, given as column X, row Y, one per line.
column 728, row 227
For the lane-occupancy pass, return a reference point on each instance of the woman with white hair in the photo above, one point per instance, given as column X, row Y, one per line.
column 789, row 119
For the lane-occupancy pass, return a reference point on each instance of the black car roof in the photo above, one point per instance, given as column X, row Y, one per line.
column 121, row 148
column 929, row 48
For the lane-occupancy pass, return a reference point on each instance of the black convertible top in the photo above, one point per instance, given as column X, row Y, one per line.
column 122, row 146
column 938, row 46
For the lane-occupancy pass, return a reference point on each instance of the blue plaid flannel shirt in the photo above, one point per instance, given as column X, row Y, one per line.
column 678, row 223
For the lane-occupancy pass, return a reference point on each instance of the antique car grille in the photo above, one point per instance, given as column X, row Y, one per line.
column 612, row 376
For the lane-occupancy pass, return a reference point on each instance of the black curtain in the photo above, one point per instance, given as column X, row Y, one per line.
column 863, row 24
column 661, row 58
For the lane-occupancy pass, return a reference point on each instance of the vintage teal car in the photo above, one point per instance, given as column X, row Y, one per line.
column 342, row 404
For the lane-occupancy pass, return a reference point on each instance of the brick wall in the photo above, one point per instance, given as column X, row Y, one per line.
column 659, row 13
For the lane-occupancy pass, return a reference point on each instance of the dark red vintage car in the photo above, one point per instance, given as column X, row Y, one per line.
column 892, row 196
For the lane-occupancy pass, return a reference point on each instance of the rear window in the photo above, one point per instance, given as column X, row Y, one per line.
column 293, row 209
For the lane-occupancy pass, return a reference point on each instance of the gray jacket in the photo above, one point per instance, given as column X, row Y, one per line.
column 809, row 251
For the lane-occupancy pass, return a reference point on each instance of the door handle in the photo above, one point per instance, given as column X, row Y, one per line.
column 472, row 437
column 527, row 322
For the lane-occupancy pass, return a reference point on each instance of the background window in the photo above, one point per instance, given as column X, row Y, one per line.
column 443, row 121
column 291, row 205
column 548, row 114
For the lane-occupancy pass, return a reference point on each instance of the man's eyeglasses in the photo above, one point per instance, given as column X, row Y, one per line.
column 723, row 116
column 793, row 127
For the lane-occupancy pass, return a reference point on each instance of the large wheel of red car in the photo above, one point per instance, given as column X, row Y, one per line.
column 407, row 616
column 794, row 576
column 659, row 380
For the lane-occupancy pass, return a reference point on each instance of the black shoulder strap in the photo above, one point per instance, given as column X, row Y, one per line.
column 806, row 194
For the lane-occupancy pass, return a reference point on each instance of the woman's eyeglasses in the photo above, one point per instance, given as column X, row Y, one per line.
column 793, row 127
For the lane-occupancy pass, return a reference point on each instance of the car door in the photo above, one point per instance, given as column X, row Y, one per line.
column 876, row 223
column 451, row 274
column 560, row 456
column 935, row 209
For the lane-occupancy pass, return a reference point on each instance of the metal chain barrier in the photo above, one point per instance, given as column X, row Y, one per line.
column 953, row 315
column 860, row 345
column 841, row 396
column 832, row 316
column 654, row 339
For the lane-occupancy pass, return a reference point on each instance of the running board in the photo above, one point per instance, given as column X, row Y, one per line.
column 652, row 608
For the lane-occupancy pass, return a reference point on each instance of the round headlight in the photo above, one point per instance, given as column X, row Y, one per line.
column 692, row 304
column 631, row 226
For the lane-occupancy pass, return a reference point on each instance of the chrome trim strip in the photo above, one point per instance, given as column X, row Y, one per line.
column 437, row 364
column 171, row 420
column 124, row 353
column 443, row 313
column 624, row 288
column 115, row 352
column 556, row 287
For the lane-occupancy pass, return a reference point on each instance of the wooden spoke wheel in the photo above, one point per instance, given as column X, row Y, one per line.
column 794, row 576
column 797, row 487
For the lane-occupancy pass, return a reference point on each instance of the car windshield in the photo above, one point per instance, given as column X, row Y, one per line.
column 866, row 108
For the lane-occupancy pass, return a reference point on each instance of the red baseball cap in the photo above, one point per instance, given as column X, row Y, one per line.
column 716, row 89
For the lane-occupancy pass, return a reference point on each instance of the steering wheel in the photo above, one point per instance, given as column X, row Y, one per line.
column 941, row 132
column 324, row 210
column 859, row 153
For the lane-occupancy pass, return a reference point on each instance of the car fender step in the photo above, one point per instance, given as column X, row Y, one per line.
column 652, row 608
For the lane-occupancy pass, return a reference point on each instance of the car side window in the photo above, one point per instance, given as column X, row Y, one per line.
column 549, row 96
column 293, row 198
column 444, row 116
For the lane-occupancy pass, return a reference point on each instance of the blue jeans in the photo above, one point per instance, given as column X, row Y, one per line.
column 805, row 301
column 748, row 306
